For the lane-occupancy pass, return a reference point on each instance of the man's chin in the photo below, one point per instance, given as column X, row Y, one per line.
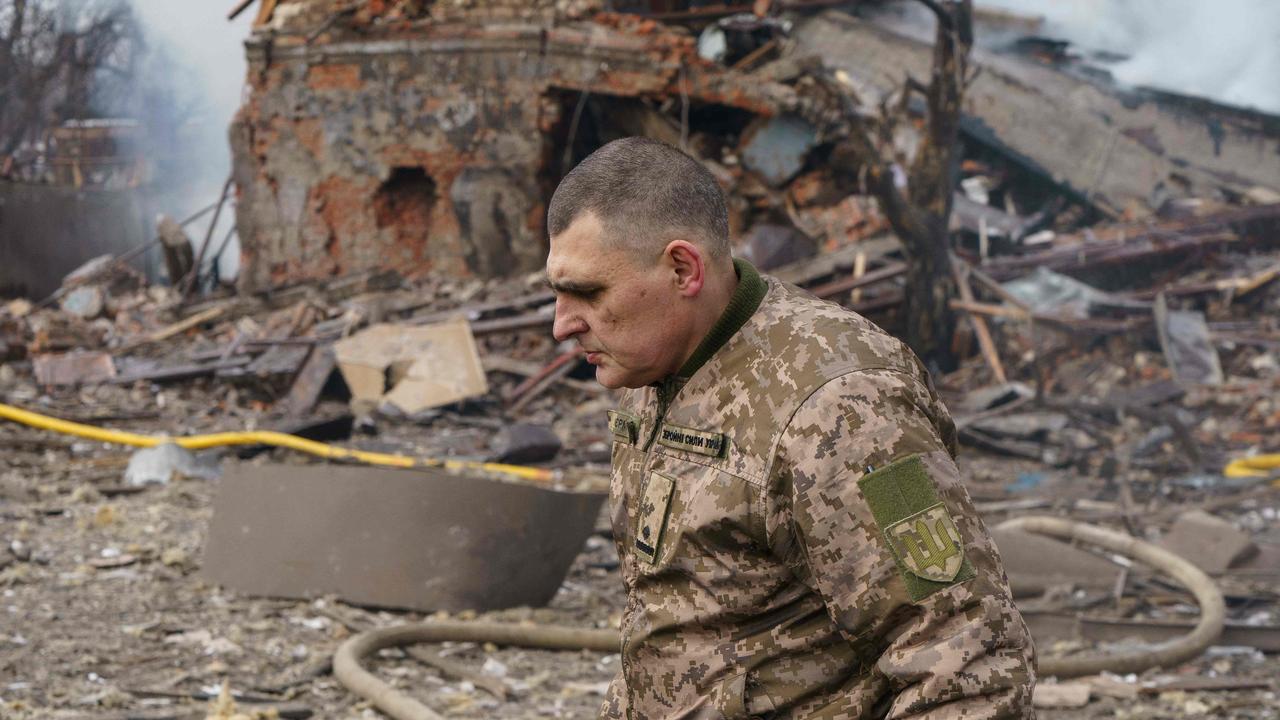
column 612, row 378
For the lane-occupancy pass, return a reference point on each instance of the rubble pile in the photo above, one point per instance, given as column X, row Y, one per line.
column 1119, row 336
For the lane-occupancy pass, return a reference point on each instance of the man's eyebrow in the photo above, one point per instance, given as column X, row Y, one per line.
column 575, row 287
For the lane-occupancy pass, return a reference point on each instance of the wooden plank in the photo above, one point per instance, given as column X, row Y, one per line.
column 985, row 342
column 843, row 285
column 305, row 391
column 178, row 372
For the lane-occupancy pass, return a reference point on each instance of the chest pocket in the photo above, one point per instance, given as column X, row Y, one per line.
column 702, row 518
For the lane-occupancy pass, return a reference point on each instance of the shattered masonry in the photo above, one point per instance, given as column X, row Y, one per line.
column 433, row 143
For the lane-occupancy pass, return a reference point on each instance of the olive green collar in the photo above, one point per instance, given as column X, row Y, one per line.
column 746, row 298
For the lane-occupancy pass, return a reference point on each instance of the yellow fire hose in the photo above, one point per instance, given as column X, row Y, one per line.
column 1256, row 466
column 266, row 437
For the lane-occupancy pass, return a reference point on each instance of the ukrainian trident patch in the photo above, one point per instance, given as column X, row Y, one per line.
column 928, row 543
column 920, row 533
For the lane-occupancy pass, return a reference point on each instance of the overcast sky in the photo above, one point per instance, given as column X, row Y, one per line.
column 209, row 48
column 1226, row 50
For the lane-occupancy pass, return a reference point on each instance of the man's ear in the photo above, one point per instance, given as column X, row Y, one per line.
column 689, row 266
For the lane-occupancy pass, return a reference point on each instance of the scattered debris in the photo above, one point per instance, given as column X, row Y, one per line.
column 73, row 368
column 1117, row 274
column 158, row 465
column 1184, row 337
column 1210, row 543
column 411, row 369
column 525, row 444
column 1024, row 557
column 1073, row 694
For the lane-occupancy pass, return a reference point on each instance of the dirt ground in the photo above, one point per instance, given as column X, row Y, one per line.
column 104, row 612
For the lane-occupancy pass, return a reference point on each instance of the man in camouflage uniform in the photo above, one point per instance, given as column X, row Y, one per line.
column 794, row 536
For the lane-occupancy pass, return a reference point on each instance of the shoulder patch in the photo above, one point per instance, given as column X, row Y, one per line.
column 624, row 426
column 916, row 526
column 697, row 441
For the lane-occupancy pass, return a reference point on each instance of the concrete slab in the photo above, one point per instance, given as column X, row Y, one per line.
column 393, row 538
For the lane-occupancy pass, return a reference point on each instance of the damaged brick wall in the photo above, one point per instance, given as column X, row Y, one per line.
column 431, row 143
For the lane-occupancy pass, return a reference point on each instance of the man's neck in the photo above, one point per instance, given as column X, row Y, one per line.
column 711, row 312
column 735, row 299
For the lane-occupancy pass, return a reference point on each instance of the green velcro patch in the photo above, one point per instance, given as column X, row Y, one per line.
column 654, row 504
column 624, row 426
column 917, row 527
column 697, row 441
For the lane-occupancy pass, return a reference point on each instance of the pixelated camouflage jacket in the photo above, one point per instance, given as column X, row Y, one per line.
column 794, row 536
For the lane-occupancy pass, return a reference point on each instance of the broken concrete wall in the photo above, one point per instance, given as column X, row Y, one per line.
column 434, row 144
column 1125, row 155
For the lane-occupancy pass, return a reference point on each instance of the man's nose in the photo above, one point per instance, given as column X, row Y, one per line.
column 567, row 323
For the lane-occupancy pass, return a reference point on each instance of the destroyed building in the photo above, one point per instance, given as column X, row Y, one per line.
column 429, row 136
column 432, row 141
column 1118, row 306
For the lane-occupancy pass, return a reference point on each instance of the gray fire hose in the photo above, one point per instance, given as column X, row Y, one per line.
column 1165, row 654
column 346, row 661
column 348, row 671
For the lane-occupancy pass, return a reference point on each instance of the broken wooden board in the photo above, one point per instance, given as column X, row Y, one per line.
column 310, row 381
column 1107, row 150
column 423, row 540
column 1047, row 626
column 73, row 368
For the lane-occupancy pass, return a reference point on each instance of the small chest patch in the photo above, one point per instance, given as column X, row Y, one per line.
column 623, row 426
column 654, row 504
column 698, row 441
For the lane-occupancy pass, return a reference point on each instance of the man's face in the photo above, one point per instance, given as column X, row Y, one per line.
column 625, row 313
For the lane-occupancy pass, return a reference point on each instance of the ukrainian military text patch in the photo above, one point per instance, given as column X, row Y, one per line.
column 698, row 441
column 623, row 426
column 919, row 531
column 654, row 504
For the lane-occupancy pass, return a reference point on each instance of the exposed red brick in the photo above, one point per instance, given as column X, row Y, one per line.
column 310, row 133
column 440, row 152
column 333, row 77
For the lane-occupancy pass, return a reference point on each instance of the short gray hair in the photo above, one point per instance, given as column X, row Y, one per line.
column 645, row 193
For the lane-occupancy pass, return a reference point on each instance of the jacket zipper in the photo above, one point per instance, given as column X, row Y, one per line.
column 667, row 390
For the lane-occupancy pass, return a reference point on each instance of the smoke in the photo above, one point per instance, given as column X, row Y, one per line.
column 191, row 84
column 1227, row 50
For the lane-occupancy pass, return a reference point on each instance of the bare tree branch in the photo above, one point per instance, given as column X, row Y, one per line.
column 917, row 203
column 941, row 13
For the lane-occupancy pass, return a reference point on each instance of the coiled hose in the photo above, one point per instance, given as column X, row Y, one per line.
column 348, row 671
column 1165, row 654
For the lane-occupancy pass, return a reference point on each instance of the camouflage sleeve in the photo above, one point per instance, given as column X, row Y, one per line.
column 866, row 504
column 615, row 699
